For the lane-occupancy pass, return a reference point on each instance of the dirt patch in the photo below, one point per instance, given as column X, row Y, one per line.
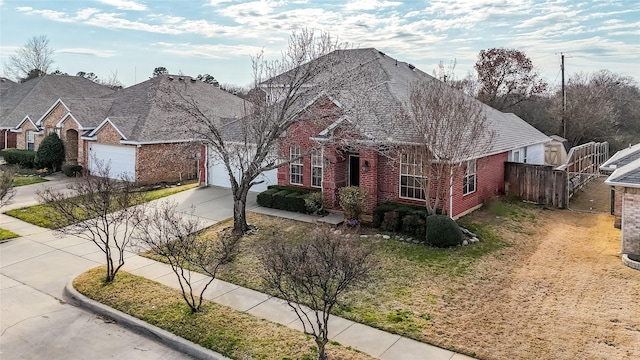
column 593, row 197
column 559, row 294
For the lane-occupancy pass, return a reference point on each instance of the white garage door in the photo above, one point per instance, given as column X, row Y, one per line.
column 121, row 159
column 219, row 176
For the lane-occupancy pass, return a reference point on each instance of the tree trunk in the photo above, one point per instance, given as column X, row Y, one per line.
column 240, row 226
column 322, row 354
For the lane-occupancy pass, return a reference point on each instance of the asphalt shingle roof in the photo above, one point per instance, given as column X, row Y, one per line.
column 388, row 82
column 622, row 158
column 34, row 97
column 628, row 175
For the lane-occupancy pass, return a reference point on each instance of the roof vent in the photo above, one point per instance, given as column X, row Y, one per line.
column 193, row 80
column 381, row 53
column 411, row 66
column 170, row 78
column 181, row 78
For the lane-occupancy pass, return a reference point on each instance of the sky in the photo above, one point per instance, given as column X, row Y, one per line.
column 219, row 37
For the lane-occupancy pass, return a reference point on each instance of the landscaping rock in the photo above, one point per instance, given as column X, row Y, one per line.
column 378, row 235
column 474, row 240
column 465, row 243
column 415, row 241
column 364, row 236
column 386, row 237
column 337, row 232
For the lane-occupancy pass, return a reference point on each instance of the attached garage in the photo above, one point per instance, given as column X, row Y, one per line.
column 121, row 159
column 218, row 176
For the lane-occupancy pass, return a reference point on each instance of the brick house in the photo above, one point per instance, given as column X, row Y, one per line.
column 326, row 166
column 139, row 130
column 626, row 182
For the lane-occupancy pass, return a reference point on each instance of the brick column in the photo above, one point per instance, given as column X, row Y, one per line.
column 369, row 178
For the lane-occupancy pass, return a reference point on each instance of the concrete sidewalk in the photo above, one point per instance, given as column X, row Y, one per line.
column 46, row 262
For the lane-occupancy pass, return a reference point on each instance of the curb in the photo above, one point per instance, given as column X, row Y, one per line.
column 72, row 296
column 630, row 263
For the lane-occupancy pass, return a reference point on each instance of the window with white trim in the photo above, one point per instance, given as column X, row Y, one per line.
column 469, row 183
column 53, row 130
column 30, row 140
column 412, row 176
column 295, row 167
column 316, row 168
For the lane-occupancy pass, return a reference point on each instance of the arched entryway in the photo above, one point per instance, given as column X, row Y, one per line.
column 71, row 146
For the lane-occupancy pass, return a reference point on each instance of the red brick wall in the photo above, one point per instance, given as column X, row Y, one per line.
column 167, row 162
column 21, row 138
column 8, row 137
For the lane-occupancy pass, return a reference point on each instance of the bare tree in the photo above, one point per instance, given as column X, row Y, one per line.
column 98, row 208
column 451, row 128
column 7, row 191
column 35, row 57
column 176, row 238
column 316, row 273
column 283, row 90
column 112, row 81
column 507, row 77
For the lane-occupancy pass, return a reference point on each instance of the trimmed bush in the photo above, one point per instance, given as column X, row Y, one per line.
column 265, row 198
column 391, row 221
column 50, row 153
column 291, row 189
column 279, row 201
column 26, row 158
column 378, row 212
column 295, row 202
column 442, row 231
column 72, row 170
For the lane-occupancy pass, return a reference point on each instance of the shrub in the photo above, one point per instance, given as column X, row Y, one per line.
column 265, row 198
column 291, row 188
column 50, row 153
column 26, row 158
column 380, row 210
column 72, row 170
column 313, row 203
column 295, row 202
column 391, row 221
column 279, row 201
column 352, row 201
column 442, row 231
column 414, row 224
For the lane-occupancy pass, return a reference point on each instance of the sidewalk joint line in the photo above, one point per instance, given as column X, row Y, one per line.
column 390, row 346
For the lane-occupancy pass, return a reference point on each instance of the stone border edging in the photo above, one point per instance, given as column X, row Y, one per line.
column 630, row 263
column 72, row 296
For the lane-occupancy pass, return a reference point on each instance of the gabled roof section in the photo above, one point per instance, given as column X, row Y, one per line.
column 622, row 158
column 59, row 101
column 109, row 121
column 151, row 112
column 27, row 118
column 388, row 82
column 89, row 112
column 627, row 175
column 34, row 97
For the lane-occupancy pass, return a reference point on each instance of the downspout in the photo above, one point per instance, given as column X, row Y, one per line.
column 450, row 192
column 6, row 134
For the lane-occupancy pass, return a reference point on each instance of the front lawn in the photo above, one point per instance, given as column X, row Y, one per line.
column 40, row 214
column 538, row 278
column 20, row 180
column 218, row 327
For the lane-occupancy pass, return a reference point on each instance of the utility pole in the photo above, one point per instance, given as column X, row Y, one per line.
column 564, row 99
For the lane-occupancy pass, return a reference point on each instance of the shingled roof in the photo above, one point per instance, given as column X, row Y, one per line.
column 627, row 175
column 6, row 85
column 622, row 158
column 150, row 111
column 34, row 97
column 389, row 82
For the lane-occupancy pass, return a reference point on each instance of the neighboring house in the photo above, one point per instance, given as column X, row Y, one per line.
column 626, row 182
column 25, row 103
column 396, row 178
column 618, row 161
column 140, row 131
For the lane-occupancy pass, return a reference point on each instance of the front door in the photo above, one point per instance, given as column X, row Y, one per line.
column 354, row 170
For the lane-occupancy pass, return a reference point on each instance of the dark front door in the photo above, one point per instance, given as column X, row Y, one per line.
column 354, row 170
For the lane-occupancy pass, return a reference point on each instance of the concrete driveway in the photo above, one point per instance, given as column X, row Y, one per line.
column 26, row 195
column 35, row 323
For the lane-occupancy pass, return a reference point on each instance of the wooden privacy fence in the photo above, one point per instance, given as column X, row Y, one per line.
column 540, row 184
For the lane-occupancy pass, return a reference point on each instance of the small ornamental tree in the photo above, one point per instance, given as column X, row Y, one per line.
column 50, row 153
column 316, row 273
column 352, row 201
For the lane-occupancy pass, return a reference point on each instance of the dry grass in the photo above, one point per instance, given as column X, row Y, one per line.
column 544, row 284
column 218, row 327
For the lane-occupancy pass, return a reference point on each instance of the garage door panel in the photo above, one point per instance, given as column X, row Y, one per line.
column 218, row 176
column 121, row 159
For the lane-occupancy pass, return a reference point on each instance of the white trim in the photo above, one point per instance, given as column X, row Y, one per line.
column 131, row 142
column 102, row 124
column 298, row 162
column 25, row 119
column 59, row 101
column 321, row 167
column 474, row 174
column 70, row 115
column 466, row 212
column 422, row 176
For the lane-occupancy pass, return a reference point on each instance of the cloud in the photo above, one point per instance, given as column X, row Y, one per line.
column 125, row 4
column 91, row 52
column 365, row 5
column 218, row 51
column 218, row 2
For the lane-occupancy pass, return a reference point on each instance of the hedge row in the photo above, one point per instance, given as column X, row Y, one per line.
column 413, row 220
column 285, row 198
column 25, row 158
